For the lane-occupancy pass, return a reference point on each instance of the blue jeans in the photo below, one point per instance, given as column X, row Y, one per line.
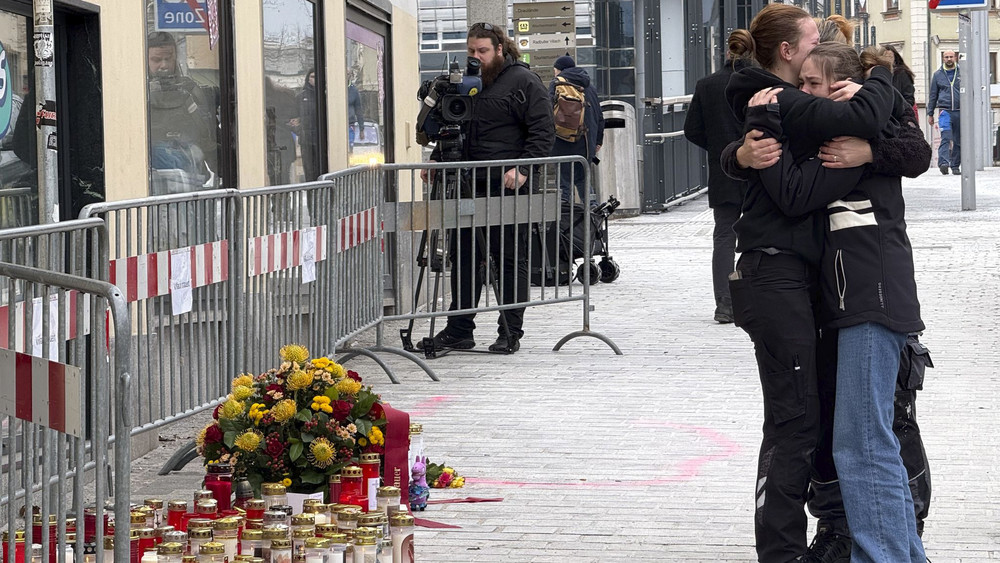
column 872, row 476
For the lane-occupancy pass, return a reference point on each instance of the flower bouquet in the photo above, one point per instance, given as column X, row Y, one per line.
column 297, row 424
column 441, row 476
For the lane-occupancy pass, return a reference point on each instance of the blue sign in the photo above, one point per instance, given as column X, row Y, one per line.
column 6, row 104
column 181, row 15
column 958, row 4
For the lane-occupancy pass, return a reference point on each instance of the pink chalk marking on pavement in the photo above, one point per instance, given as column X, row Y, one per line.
column 686, row 470
column 428, row 406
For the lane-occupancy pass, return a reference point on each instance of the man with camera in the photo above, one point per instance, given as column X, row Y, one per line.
column 511, row 118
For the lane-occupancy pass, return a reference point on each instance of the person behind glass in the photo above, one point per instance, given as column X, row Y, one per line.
column 511, row 119
column 309, row 128
column 775, row 286
column 943, row 94
column 590, row 144
column 183, row 130
column 281, row 120
column 865, row 246
column 711, row 125
column 355, row 116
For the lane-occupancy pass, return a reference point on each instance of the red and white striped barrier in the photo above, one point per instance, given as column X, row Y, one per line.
column 22, row 330
column 148, row 275
column 41, row 391
column 357, row 229
column 283, row 251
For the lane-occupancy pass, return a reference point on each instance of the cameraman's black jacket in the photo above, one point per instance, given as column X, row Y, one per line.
column 511, row 118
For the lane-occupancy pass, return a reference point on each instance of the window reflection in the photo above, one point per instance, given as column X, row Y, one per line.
column 365, row 95
column 18, row 161
column 291, row 100
column 182, row 69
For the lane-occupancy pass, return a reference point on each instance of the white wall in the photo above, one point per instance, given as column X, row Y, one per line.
column 673, row 42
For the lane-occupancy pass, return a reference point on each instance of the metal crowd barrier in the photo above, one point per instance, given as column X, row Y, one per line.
column 17, row 207
column 464, row 214
column 174, row 259
column 56, row 427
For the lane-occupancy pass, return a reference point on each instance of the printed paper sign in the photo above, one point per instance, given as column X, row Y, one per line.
column 180, row 281
column 36, row 328
column 309, row 255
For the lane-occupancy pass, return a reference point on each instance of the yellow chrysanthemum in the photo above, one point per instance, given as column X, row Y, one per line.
column 245, row 380
column 298, row 380
column 296, row 353
column 348, row 386
column 283, row 410
column 286, row 482
column 362, row 442
column 375, row 436
column 257, row 412
column 231, row 409
column 321, row 403
column 249, row 440
column 321, row 453
column 242, row 392
column 321, row 363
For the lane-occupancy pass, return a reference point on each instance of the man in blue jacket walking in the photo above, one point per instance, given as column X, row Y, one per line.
column 944, row 94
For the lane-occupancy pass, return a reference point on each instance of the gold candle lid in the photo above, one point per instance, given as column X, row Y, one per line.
column 154, row 503
column 252, row 535
column 335, row 478
column 401, row 519
column 370, row 520
column 146, row 533
column 281, row 544
column 416, row 428
column 226, row 524
column 176, row 505
column 207, row 506
column 310, row 509
column 137, row 517
column 212, row 548
column 325, row 528
column 109, row 543
column 272, row 489
column 303, row 533
column 170, row 548
column 388, row 491
column 311, row 502
column 303, row 520
column 200, row 534
column 364, row 536
column 199, row 523
column 189, row 558
column 349, row 516
column 278, row 532
column 335, row 537
column 256, row 504
column 369, row 458
column 351, row 471
column 315, row 542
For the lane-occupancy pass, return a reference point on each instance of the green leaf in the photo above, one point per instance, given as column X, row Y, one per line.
column 364, row 404
column 332, row 392
column 305, row 415
column 312, row 477
column 227, row 425
column 255, row 480
column 322, row 418
column 229, row 438
column 295, row 451
column 364, row 426
column 306, row 437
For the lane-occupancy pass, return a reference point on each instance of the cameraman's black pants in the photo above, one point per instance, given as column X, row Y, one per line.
column 508, row 246
column 774, row 303
column 825, row 500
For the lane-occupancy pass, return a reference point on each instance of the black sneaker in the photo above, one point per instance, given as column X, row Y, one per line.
column 956, row 171
column 830, row 547
column 444, row 340
column 944, row 169
column 506, row 346
column 724, row 315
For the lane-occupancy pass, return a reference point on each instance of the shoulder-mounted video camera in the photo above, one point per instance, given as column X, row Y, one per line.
column 447, row 101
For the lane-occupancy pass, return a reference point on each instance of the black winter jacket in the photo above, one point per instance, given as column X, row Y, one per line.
column 807, row 122
column 511, row 118
column 593, row 117
column 866, row 270
column 711, row 124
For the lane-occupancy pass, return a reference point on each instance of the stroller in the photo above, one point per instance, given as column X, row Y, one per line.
column 546, row 268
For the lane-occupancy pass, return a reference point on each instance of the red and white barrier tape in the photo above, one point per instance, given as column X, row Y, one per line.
column 41, row 391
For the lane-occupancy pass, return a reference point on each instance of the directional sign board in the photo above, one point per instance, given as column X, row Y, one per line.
column 959, row 4
column 545, row 31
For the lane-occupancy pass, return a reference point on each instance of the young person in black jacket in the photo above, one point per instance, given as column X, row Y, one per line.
column 711, row 125
column 869, row 297
column 775, row 287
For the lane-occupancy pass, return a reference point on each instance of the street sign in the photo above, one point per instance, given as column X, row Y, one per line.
column 958, row 4
column 548, row 41
column 545, row 25
column 539, row 59
column 182, row 15
column 524, row 10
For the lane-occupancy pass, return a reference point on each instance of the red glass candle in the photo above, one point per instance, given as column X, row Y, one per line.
column 133, row 546
column 334, row 496
column 219, row 480
column 372, row 479
column 147, row 539
column 90, row 524
column 351, row 479
column 255, row 509
column 18, row 547
column 175, row 514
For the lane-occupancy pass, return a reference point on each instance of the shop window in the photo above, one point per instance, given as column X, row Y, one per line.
column 184, row 94
column 293, row 107
column 366, row 95
column 18, row 160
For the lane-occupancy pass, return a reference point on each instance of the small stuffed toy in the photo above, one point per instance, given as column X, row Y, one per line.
column 419, row 491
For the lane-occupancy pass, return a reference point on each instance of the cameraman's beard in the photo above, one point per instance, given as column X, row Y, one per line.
column 491, row 70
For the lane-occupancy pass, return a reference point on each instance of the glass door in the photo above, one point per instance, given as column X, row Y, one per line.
column 18, row 158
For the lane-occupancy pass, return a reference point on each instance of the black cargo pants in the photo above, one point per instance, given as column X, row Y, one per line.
column 774, row 301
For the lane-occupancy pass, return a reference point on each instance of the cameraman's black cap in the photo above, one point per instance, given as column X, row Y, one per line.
column 564, row 62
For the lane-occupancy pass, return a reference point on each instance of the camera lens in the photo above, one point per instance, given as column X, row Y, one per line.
column 472, row 66
column 457, row 109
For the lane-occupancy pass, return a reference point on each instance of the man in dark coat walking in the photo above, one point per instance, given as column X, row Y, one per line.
column 711, row 125
column 590, row 144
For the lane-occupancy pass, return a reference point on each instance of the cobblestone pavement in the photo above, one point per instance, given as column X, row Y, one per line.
column 650, row 456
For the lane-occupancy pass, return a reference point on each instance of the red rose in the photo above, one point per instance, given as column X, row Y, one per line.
column 213, row 434
column 444, row 480
column 376, row 412
column 354, row 375
column 340, row 409
column 215, row 413
column 275, row 448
